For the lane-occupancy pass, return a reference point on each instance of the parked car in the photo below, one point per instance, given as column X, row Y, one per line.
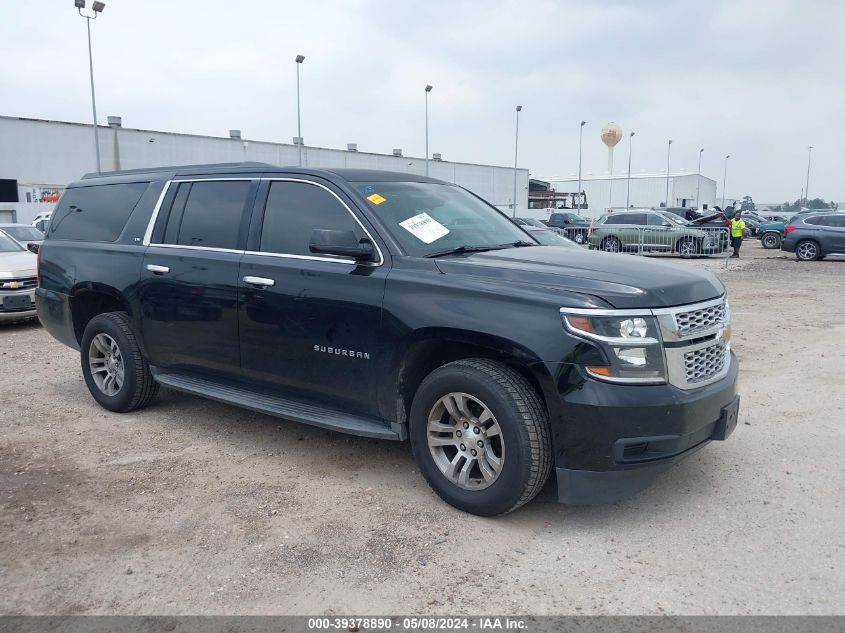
column 23, row 233
column 547, row 237
column 538, row 224
column 771, row 234
column 17, row 280
column 397, row 307
column 574, row 226
column 815, row 236
column 42, row 221
column 653, row 231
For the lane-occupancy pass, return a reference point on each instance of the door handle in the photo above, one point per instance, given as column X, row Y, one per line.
column 159, row 270
column 259, row 281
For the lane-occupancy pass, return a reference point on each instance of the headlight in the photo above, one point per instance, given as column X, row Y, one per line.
column 631, row 343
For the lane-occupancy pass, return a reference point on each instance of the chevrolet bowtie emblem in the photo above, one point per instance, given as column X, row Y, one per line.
column 14, row 285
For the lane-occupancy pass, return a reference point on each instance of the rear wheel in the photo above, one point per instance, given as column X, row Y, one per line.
column 611, row 245
column 770, row 240
column 479, row 432
column 807, row 250
column 116, row 373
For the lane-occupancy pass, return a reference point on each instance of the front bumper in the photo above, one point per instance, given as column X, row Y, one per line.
column 612, row 441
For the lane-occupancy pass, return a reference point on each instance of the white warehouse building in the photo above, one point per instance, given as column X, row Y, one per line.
column 601, row 193
column 39, row 158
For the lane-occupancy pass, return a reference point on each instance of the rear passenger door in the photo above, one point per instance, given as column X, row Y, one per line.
column 189, row 279
column 834, row 233
column 310, row 325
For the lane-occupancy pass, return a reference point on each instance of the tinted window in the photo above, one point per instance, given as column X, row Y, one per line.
column 97, row 213
column 211, row 216
column 656, row 220
column 836, row 220
column 627, row 218
column 615, row 219
column 818, row 220
column 293, row 210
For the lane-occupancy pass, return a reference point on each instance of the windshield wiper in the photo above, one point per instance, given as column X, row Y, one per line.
column 520, row 243
column 460, row 250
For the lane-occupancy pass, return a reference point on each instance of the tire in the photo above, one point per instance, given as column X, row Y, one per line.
column 770, row 240
column 578, row 238
column 611, row 245
column 808, row 250
column 132, row 385
column 516, row 433
column 688, row 247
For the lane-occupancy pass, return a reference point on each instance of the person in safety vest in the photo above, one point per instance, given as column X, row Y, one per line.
column 737, row 231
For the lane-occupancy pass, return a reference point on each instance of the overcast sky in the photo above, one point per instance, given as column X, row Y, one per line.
column 759, row 80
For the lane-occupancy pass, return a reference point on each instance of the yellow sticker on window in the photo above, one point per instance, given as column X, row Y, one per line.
column 376, row 199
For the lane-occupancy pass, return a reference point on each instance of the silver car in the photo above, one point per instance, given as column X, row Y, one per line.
column 17, row 280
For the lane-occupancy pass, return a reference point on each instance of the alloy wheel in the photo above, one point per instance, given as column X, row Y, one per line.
column 807, row 251
column 106, row 364
column 465, row 441
column 770, row 240
column 611, row 245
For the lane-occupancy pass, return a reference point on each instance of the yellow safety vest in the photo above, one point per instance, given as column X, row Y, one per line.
column 737, row 227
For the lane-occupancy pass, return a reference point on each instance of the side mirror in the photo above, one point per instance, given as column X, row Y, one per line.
column 33, row 247
column 343, row 243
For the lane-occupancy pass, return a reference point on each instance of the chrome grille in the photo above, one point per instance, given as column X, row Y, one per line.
column 702, row 364
column 20, row 283
column 700, row 319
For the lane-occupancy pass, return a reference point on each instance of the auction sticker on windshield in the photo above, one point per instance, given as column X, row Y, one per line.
column 424, row 227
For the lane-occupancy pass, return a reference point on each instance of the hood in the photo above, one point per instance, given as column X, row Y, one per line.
column 17, row 264
column 623, row 281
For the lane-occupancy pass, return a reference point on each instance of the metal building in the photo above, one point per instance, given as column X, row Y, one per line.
column 38, row 158
column 600, row 193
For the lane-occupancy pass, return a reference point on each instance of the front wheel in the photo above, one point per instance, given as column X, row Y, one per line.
column 612, row 245
column 114, row 369
column 688, row 247
column 770, row 240
column 480, row 435
column 807, row 250
column 579, row 237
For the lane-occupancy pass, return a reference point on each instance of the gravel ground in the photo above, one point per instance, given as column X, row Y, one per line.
column 192, row 507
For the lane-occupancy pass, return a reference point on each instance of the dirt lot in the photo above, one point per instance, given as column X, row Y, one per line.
column 191, row 506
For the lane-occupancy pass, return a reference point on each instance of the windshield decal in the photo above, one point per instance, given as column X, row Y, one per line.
column 424, row 228
column 376, row 198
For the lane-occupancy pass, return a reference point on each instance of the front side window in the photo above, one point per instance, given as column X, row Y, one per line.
column 207, row 214
column 657, row 220
column 431, row 218
column 294, row 210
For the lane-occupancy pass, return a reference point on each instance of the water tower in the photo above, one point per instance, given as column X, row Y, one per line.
column 611, row 134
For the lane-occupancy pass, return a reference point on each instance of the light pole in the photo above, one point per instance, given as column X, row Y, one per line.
column 97, row 8
column 428, row 88
column 630, row 147
column 668, row 156
column 698, row 186
column 807, row 185
column 580, row 138
column 299, row 59
column 724, row 180
column 515, row 156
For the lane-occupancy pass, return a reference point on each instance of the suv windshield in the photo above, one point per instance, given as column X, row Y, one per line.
column 430, row 218
column 8, row 245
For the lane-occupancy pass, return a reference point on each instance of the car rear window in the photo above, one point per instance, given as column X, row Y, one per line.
column 95, row 214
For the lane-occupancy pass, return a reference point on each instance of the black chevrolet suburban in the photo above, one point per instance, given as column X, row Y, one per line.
column 391, row 306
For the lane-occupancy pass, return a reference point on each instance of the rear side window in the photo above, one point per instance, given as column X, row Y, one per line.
column 95, row 214
column 836, row 220
column 207, row 214
column 293, row 210
column 818, row 220
column 615, row 219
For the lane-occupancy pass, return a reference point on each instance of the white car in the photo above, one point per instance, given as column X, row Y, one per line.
column 18, row 280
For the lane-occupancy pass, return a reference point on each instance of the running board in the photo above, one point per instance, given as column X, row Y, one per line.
column 275, row 405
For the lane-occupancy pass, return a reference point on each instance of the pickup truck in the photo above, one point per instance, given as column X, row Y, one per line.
column 574, row 227
column 391, row 306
